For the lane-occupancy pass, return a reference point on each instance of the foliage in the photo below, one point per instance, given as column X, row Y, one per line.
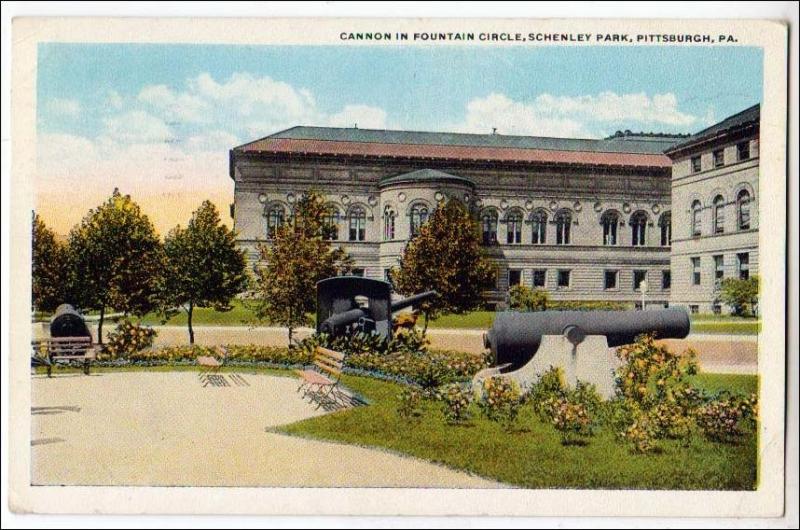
column 446, row 256
column 204, row 268
column 572, row 412
column 500, row 400
column 428, row 370
column 403, row 341
column 740, row 295
column 522, row 297
column 456, row 401
column 48, row 268
column 409, row 401
column 115, row 259
column 234, row 353
column 551, row 385
column 571, row 419
column 727, row 418
column 128, row 339
column 588, row 305
column 290, row 266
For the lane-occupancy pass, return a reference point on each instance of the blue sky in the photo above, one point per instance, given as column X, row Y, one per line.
column 107, row 108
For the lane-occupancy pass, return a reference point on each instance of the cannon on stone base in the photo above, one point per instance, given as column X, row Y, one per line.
column 525, row 345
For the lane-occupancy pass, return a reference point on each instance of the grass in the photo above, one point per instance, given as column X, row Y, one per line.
column 532, row 455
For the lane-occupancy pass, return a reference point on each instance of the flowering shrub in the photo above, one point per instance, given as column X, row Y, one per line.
column 410, row 400
column 571, row 419
column 725, row 418
column 128, row 339
column 405, row 341
column 456, row 399
column 572, row 412
column 235, row 354
column 428, row 370
column 551, row 385
column 500, row 401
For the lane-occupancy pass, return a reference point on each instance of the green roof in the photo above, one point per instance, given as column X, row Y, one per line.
column 748, row 116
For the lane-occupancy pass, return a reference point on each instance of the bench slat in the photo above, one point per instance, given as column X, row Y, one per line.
column 330, row 353
column 327, row 368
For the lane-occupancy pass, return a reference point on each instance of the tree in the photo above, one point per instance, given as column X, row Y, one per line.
column 48, row 268
column 299, row 256
column 115, row 260
column 527, row 299
column 446, row 256
column 203, row 266
column 740, row 295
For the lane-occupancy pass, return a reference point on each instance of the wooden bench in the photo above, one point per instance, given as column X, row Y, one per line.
column 49, row 351
column 320, row 382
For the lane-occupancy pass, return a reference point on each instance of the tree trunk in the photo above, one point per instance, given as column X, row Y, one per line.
column 100, row 325
column 425, row 329
column 189, row 320
column 290, row 335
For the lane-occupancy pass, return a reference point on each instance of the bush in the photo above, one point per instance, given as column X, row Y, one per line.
column 128, row 339
column 500, row 401
column 456, row 399
column 428, row 370
column 572, row 412
column 550, row 386
column 589, row 305
column 404, row 341
column 740, row 295
column 725, row 419
column 522, row 297
column 410, row 401
column 236, row 354
column 571, row 419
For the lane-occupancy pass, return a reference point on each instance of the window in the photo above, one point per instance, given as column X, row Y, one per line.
column 489, row 225
column 563, row 222
column 539, row 277
column 666, row 280
column 387, row 275
column 610, row 221
column 697, row 220
column 514, row 228
column 388, row 223
column 358, row 221
column 719, row 158
column 638, row 224
column 514, row 277
column 719, row 270
column 419, row 215
column 357, row 272
column 563, row 279
column 696, row 166
column 743, row 263
column 718, row 215
column 694, row 309
column 610, row 279
column 665, row 224
column 743, row 209
column 743, row 150
column 275, row 218
column 695, row 271
column 639, row 277
column 330, row 224
column 539, row 228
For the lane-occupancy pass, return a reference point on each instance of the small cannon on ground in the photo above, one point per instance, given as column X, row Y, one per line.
column 347, row 303
column 67, row 322
column 525, row 345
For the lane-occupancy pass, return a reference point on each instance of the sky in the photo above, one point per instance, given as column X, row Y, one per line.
column 157, row 120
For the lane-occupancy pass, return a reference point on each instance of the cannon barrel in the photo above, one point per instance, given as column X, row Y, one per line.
column 412, row 300
column 354, row 315
column 515, row 336
column 67, row 322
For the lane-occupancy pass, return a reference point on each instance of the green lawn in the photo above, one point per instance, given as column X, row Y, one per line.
column 532, row 455
column 240, row 315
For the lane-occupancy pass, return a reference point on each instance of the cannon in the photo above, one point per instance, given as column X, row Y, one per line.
column 524, row 345
column 67, row 322
column 347, row 303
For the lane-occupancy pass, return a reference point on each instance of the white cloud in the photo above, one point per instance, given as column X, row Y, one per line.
column 212, row 141
column 365, row 116
column 136, row 126
column 114, row 100
column 63, row 107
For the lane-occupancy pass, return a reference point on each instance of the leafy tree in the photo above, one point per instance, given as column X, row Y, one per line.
column 446, row 256
column 203, row 266
column 48, row 268
column 740, row 295
column 299, row 256
column 115, row 259
column 527, row 299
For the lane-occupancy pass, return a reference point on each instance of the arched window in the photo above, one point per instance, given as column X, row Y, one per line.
column 514, row 228
column 718, row 214
column 743, row 209
column 563, row 222
column 697, row 219
column 419, row 216
column 388, row 223
column 610, row 222
column 330, row 223
column 276, row 216
column 638, row 224
column 665, row 223
column 489, row 226
column 357, row 222
column 539, row 227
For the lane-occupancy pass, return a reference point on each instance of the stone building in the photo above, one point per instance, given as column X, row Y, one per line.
column 715, row 210
column 583, row 219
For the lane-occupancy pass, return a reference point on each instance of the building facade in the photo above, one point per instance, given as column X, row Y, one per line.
column 715, row 210
column 586, row 220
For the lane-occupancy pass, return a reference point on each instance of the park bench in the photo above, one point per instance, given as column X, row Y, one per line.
column 49, row 351
column 320, row 382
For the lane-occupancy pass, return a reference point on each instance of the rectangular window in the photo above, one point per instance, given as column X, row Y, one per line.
column 694, row 309
column 387, row 275
column 695, row 271
column 743, row 261
column 719, row 158
column 696, row 166
column 719, row 270
column 639, row 277
column 357, row 272
column 563, row 279
column 514, row 277
column 610, row 280
column 666, row 280
column 743, row 150
column 539, row 277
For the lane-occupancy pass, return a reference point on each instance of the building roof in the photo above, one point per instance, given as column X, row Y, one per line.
column 747, row 117
column 424, row 175
column 617, row 151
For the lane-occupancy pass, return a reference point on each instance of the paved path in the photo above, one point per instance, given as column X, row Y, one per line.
column 165, row 429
